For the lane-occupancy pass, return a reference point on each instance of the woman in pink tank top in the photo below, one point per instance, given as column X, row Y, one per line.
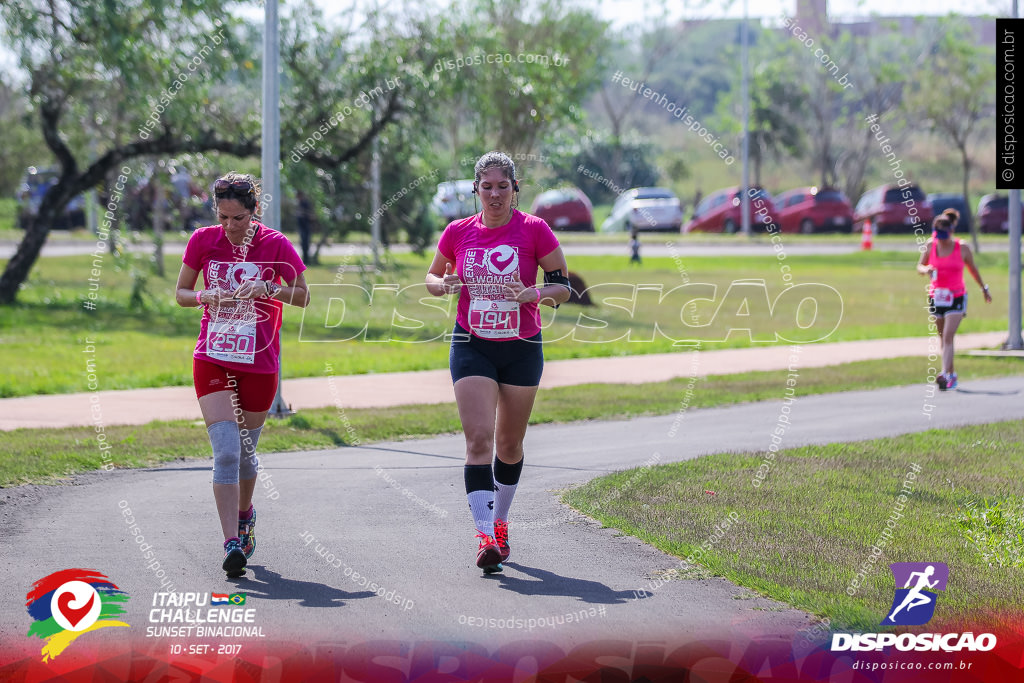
column 943, row 260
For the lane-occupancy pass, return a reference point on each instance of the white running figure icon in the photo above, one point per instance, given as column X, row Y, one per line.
column 914, row 597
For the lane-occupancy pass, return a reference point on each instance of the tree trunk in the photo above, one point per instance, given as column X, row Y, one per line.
column 967, row 200
column 24, row 258
column 73, row 182
column 159, row 221
column 757, row 162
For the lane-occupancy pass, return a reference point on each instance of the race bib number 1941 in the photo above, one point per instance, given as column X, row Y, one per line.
column 494, row 319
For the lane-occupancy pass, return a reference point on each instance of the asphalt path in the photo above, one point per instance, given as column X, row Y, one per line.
column 652, row 244
column 396, row 514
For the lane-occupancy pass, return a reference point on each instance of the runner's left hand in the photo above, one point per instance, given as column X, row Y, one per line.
column 251, row 289
column 517, row 291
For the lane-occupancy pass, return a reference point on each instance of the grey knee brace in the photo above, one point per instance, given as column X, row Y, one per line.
column 250, row 464
column 226, row 451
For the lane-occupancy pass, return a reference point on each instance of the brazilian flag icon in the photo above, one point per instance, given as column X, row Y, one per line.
column 237, row 598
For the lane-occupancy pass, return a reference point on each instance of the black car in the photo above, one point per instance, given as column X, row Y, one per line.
column 950, row 200
column 33, row 187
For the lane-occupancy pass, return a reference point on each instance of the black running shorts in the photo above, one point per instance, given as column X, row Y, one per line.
column 518, row 362
column 959, row 306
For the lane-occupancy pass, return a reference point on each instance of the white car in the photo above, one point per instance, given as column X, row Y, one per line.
column 645, row 209
column 454, row 199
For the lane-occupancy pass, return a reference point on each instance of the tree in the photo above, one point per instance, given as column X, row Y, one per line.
column 603, row 166
column 955, row 94
column 776, row 102
column 510, row 74
column 877, row 68
column 23, row 146
column 344, row 88
column 152, row 76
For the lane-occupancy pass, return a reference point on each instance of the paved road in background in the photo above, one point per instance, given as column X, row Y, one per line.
column 653, row 244
column 396, row 513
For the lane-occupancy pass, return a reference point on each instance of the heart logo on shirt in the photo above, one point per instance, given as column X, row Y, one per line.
column 502, row 260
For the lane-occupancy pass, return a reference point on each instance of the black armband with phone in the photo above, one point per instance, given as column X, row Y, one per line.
column 555, row 277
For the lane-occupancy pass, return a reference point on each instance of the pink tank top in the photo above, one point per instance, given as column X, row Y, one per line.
column 949, row 270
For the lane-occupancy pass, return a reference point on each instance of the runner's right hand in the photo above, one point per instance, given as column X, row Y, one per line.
column 450, row 281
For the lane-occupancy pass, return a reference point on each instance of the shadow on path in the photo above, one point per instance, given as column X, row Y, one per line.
column 549, row 583
column 261, row 582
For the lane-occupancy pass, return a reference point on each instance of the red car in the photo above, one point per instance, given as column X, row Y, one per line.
column 892, row 208
column 565, row 208
column 810, row 209
column 720, row 211
column 994, row 213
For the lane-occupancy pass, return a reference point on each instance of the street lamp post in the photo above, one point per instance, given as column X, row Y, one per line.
column 271, row 141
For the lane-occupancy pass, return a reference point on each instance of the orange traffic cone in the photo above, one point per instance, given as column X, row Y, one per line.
column 865, row 239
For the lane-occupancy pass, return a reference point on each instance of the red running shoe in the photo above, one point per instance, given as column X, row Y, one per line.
column 501, row 538
column 488, row 557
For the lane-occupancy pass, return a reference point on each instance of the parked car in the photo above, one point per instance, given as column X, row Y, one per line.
column 721, row 211
column 888, row 207
column 813, row 209
column 454, row 199
column 31, row 191
column 994, row 213
column 942, row 201
column 565, row 208
column 645, row 209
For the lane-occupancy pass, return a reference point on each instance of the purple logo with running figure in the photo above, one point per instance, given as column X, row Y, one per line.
column 914, row 602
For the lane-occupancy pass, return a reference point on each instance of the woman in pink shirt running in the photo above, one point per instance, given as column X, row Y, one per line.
column 944, row 259
column 235, row 362
column 491, row 260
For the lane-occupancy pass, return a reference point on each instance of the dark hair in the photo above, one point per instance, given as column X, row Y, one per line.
column 495, row 160
column 247, row 200
column 952, row 214
column 941, row 223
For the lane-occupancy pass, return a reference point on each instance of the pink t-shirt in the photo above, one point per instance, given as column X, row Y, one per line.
column 949, row 270
column 488, row 258
column 241, row 335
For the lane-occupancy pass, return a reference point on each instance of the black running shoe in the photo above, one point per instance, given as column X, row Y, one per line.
column 234, row 558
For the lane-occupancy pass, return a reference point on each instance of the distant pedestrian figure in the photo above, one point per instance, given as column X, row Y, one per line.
column 304, row 218
column 634, row 248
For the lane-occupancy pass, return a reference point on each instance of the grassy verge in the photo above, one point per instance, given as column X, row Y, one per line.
column 40, row 455
column 789, row 542
column 9, row 218
column 714, row 299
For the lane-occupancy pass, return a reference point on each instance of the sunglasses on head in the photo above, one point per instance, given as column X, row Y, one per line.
column 241, row 187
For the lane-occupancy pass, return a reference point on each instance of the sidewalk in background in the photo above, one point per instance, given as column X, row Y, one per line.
column 139, row 406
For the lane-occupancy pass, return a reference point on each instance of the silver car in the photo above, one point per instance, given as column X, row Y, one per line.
column 454, row 199
column 645, row 209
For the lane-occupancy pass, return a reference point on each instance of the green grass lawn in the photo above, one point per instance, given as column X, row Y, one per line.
column 789, row 542
column 860, row 296
column 9, row 217
column 37, row 455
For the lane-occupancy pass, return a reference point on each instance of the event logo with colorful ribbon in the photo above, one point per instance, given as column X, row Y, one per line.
column 70, row 603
